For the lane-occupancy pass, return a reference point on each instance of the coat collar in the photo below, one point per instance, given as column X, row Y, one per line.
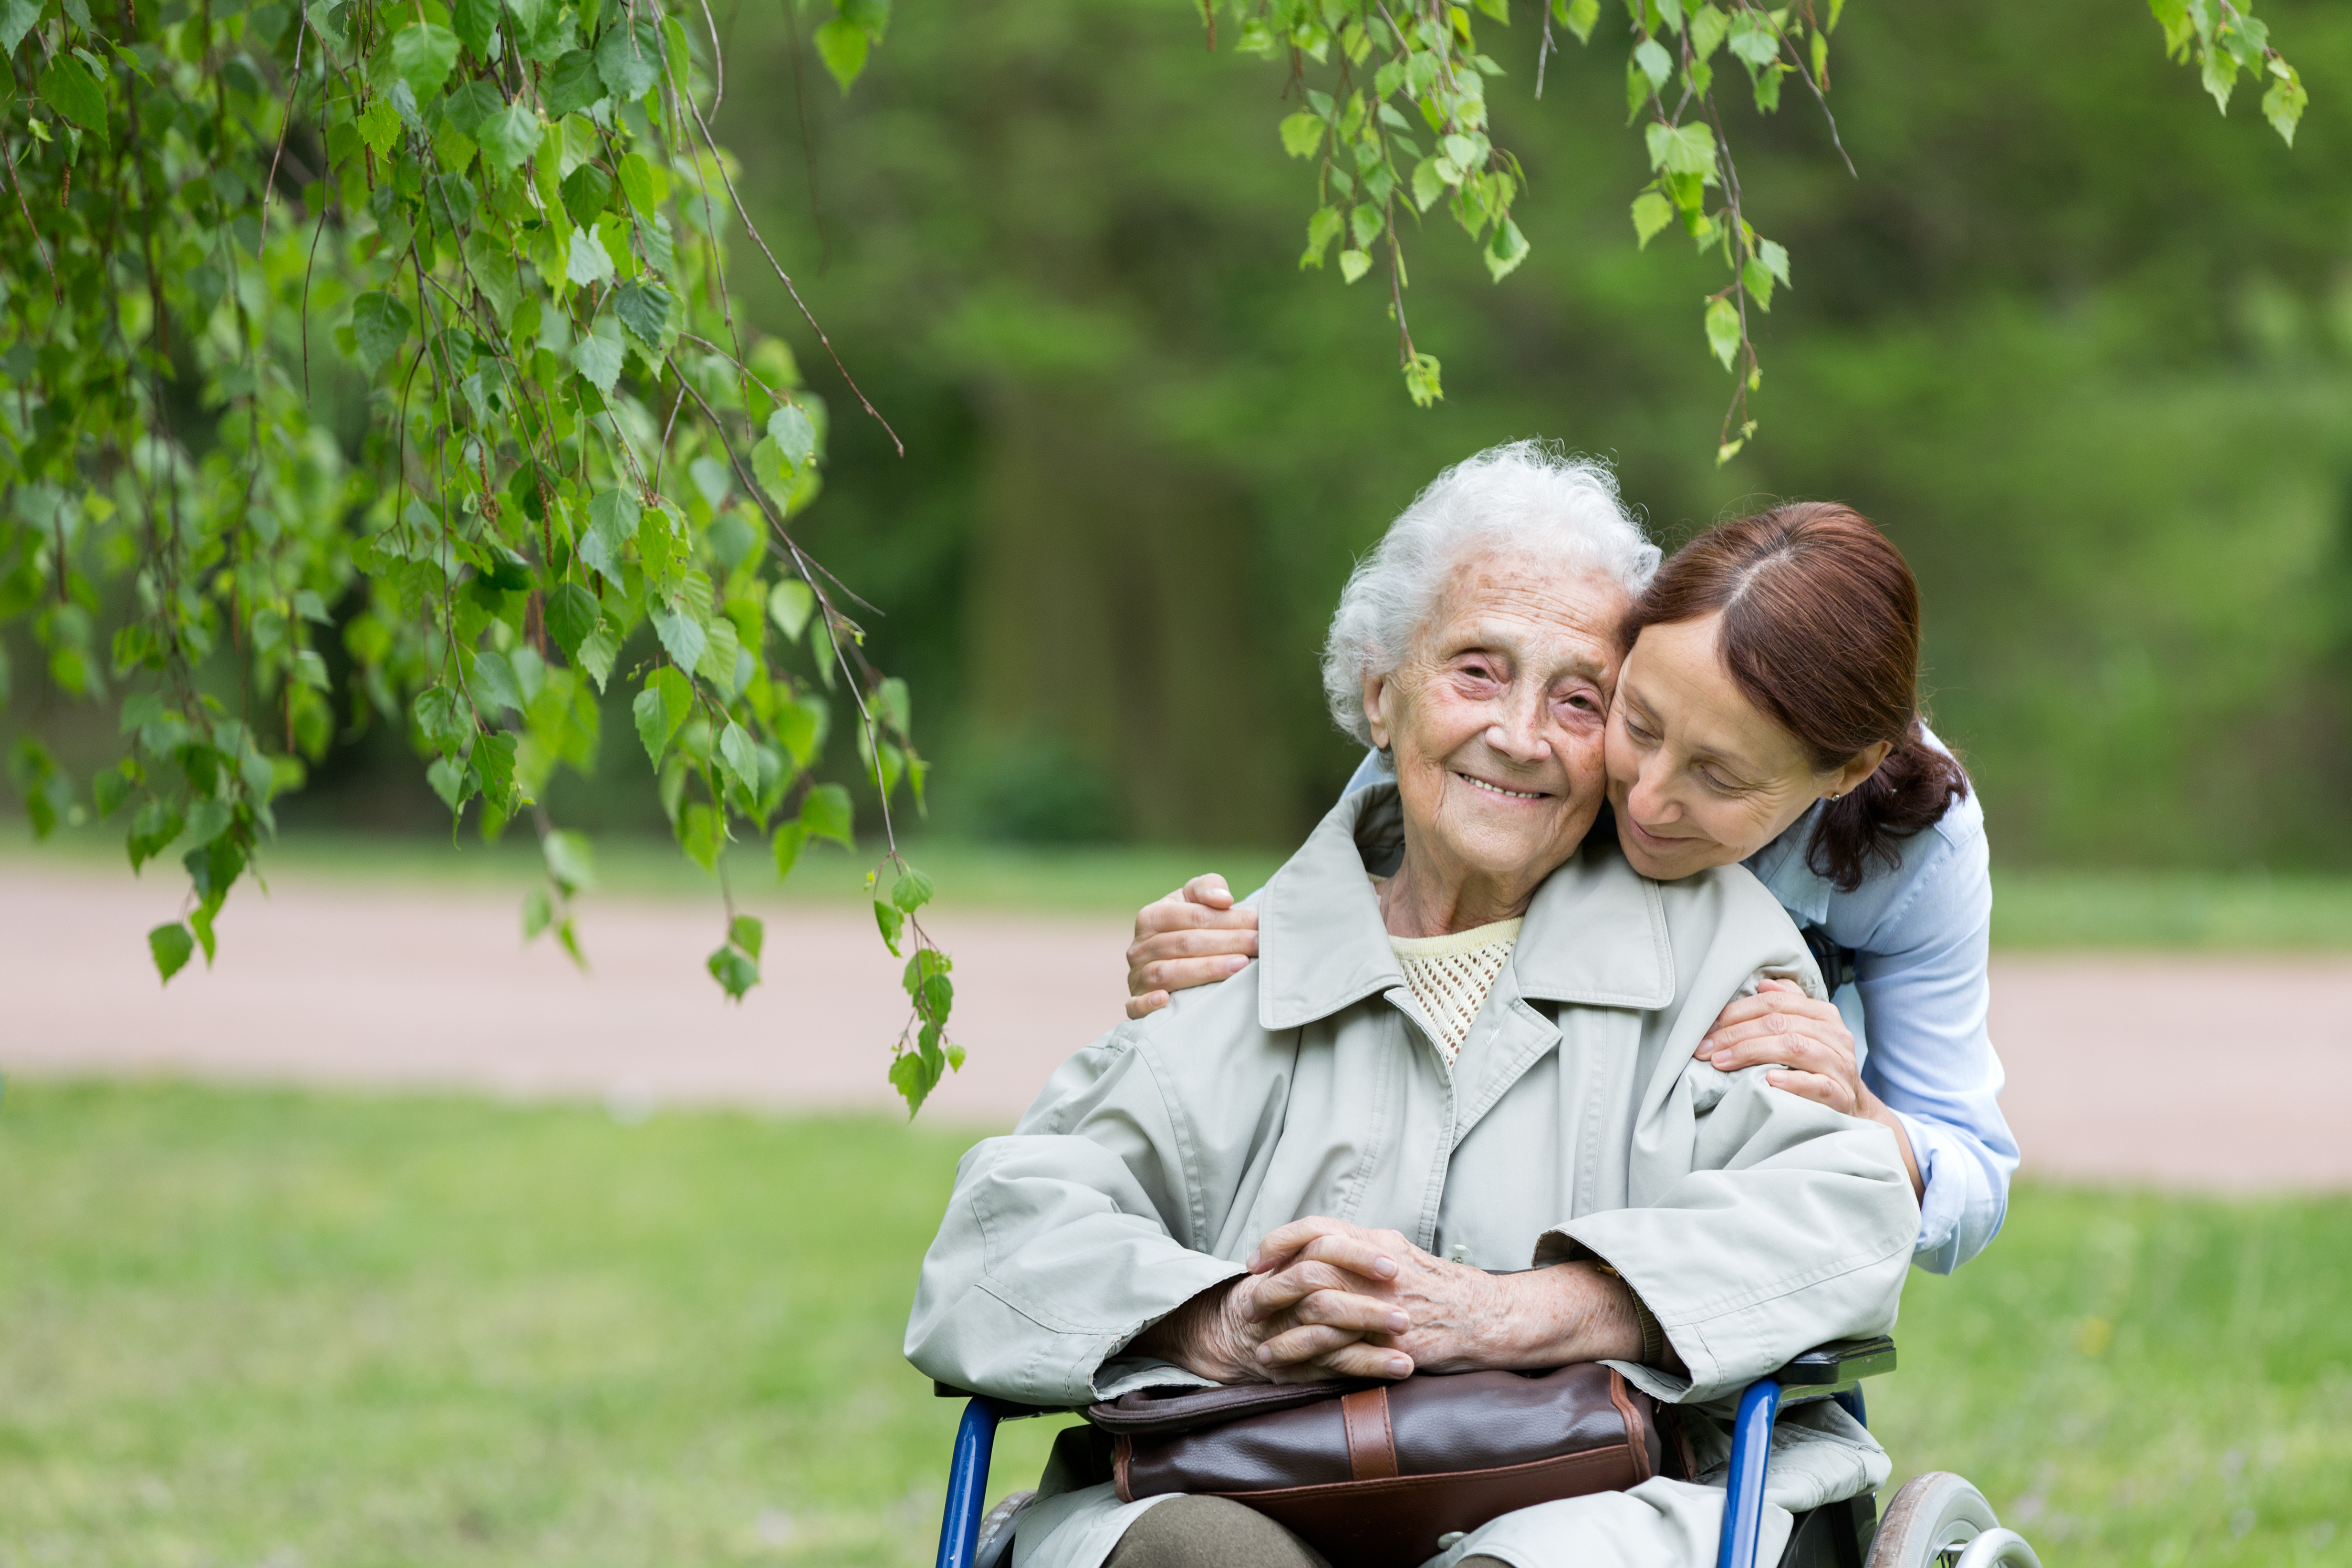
column 1595, row 932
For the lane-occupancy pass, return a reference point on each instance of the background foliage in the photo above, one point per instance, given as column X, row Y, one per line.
column 333, row 440
column 2078, row 342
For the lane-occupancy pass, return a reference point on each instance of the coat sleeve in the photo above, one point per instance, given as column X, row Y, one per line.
column 1794, row 1227
column 1065, row 1239
column 1763, row 1224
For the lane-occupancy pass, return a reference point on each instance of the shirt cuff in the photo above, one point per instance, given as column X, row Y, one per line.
column 1947, row 1179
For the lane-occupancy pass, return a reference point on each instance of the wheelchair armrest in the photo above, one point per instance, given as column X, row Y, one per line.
column 1006, row 1409
column 1839, row 1362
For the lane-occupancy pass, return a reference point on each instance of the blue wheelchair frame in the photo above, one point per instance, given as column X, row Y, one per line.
column 1831, row 1372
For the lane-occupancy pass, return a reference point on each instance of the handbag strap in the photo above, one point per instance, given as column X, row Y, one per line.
column 1371, row 1442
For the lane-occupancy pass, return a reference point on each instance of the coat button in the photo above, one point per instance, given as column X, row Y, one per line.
column 1457, row 1253
column 1447, row 1540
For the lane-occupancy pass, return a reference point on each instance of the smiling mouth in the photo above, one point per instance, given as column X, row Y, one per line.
column 1498, row 789
column 1653, row 838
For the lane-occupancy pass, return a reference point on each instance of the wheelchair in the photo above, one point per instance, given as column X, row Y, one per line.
column 1933, row 1521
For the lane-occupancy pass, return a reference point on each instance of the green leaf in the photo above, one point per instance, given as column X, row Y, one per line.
column 586, row 261
column 2283, row 104
column 599, row 353
column 701, row 833
column 446, row 718
column 597, row 651
column 475, row 21
column 1708, row 27
column 494, row 763
column 172, row 948
column 738, row 756
column 912, row 1074
column 746, row 932
column 1505, row 250
column 1354, row 264
column 892, row 921
column 571, row 860
column 422, row 54
column 379, row 126
column 644, row 309
column 587, row 191
column 492, row 683
column 572, row 614
column 1775, row 257
column 492, row 267
column 1758, row 281
column 642, row 184
column 508, row 138
column 826, row 815
column 573, row 85
column 73, row 89
column 912, row 891
column 842, row 45
column 1321, row 230
column 786, row 847
column 380, row 325
column 661, row 710
column 1651, row 211
column 790, row 604
column 682, row 636
column 1723, row 330
column 538, row 912
column 795, row 435
column 735, row 971
column 1656, row 64
column 1302, row 134
column 16, row 19
column 1681, row 149
column 152, row 829
column 629, row 59
column 1422, row 380
column 612, row 523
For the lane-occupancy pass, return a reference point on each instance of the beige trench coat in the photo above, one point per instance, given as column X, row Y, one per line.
column 1575, row 1123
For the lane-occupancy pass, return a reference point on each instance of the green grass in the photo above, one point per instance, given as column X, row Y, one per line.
column 2215, row 910
column 272, row 1328
column 2032, row 910
column 1099, row 879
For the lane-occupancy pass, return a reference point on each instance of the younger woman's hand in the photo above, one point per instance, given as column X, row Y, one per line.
column 1194, row 936
column 1813, row 1053
column 1805, row 1039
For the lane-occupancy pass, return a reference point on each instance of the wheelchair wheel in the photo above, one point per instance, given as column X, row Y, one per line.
column 994, row 1549
column 1940, row 1521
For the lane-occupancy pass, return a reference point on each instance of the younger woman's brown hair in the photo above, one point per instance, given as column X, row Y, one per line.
column 1821, row 629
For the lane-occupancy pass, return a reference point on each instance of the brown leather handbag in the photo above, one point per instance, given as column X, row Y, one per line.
column 1374, row 1475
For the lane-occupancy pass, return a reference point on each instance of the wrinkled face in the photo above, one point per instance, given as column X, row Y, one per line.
column 1496, row 717
column 1698, row 775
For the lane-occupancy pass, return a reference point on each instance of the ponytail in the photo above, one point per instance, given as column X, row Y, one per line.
column 1821, row 629
column 1911, row 790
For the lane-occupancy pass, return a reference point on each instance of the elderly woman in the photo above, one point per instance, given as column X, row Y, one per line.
column 1475, row 1057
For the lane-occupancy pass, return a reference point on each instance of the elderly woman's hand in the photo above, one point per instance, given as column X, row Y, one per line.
column 1299, row 1321
column 1461, row 1318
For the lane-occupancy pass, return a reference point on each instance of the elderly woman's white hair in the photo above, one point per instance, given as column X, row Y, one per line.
column 1528, row 498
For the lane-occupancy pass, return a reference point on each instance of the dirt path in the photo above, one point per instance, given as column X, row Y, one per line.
column 2189, row 1072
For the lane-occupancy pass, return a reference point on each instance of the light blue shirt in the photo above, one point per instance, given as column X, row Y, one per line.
column 1921, row 933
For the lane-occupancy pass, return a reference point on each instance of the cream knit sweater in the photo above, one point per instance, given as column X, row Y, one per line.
column 1450, row 976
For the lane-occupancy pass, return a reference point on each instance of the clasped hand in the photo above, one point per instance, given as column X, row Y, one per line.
column 1327, row 1298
